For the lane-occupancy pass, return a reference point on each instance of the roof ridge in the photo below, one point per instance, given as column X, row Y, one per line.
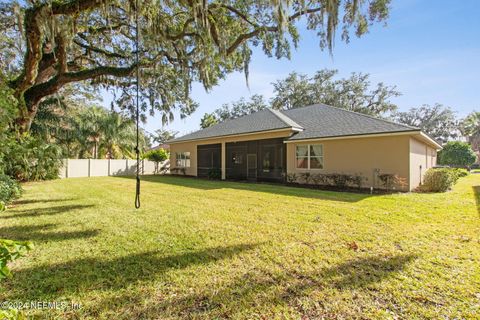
column 284, row 118
column 368, row 116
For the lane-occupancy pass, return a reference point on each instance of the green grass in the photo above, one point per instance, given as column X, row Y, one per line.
column 203, row 249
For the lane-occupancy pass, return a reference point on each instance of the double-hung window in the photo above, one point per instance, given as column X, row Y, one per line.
column 309, row 156
column 182, row 159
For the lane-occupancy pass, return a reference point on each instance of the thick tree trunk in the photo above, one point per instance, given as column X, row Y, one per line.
column 28, row 108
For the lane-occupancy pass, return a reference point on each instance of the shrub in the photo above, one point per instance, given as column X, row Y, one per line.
column 456, row 153
column 157, row 155
column 9, row 189
column 31, row 159
column 338, row 180
column 291, row 177
column 460, row 172
column 438, row 180
column 177, row 170
column 357, row 180
column 334, row 179
column 389, row 181
column 307, row 177
column 320, row 179
column 214, row 174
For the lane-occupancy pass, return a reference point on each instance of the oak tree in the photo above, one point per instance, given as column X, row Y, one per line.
column 57, row 42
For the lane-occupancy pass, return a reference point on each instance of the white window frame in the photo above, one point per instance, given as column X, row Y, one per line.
column 309, row 157
column 182, row 159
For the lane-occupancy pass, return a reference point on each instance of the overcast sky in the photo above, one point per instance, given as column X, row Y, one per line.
column 429, row 49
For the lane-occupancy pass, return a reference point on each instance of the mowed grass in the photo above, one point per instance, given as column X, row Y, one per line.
column 205, row 249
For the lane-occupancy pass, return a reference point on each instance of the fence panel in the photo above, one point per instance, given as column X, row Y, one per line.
column 149, row 167
column 77, row 168
column 118, row 167
column 73, row 168
column 99, row 168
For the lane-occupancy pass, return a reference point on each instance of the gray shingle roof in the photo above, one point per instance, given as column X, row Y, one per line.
column 263, row 120
column 322, row 121
column 317, row 121
column 285, row 119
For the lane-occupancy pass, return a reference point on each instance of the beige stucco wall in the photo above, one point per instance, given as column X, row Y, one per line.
column 192, row 146
column 422, row 155
column 388, row 154
column 396, row 154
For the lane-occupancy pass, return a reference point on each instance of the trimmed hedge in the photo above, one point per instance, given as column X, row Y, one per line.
column 441, row 179
column 460, row 172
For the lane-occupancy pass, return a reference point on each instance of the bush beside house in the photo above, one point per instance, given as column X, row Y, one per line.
column 338, row 181
column 441, row 179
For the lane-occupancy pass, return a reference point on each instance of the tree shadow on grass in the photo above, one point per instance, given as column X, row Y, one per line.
column 285, row 288
column 30, row 201
column 476, row 192
column 43, row 233
column 45, row 211
column 273, row 188
column 51, row 281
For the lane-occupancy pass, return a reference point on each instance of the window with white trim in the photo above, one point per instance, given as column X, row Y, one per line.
column 309, row 156
column 182, row 159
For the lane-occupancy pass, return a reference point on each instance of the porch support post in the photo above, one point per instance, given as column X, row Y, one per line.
column 224, row 157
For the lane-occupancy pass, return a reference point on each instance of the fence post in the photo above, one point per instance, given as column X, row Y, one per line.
column 89, row 167
column 143, row 166
column 66, row 168
column 108, row 173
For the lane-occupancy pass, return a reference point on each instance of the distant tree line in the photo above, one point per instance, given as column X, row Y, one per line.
column 354, row 93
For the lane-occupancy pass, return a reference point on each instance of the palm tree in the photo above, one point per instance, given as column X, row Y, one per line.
column 106, row 134
column 118, row 136
column 470, row 128
column 88, row 129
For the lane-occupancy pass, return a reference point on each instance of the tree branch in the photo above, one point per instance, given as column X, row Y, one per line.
column 243, row 37
column 34, row 36
column 37, row 92
column 74, row 7
column 303, row 12
column 98, row 50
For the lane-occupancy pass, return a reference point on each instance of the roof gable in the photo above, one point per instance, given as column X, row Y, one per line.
column 323, row 121
column 264, row 120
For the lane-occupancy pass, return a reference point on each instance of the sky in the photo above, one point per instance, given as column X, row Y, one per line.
column 430, row 50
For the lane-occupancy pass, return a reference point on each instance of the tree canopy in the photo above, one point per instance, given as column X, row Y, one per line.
column 470, row 128
column 161, row 136
column 456, row 153
column 354, row 93
column 55, row 43
column 437, row 121
column 234, row 110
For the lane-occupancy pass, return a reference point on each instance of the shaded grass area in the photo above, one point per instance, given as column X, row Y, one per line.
column 206, row 249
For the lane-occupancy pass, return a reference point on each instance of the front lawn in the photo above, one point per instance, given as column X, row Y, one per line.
column 204, row 249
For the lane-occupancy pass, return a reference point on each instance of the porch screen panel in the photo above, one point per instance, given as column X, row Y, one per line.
column 271, row 159
column 208, row 158
column 236, row 160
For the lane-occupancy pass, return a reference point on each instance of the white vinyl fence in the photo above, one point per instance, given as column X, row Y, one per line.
column 73, row 168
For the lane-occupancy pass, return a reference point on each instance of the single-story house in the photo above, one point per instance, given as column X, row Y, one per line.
column 270, row 144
